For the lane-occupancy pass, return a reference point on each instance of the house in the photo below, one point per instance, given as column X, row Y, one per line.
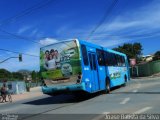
column 15, row 87
column 147, row 58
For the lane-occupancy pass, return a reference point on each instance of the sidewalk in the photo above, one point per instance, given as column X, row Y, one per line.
column 157, row 75
column 34, row 92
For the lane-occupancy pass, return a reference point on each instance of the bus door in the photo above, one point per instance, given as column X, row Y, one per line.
column 93, row 69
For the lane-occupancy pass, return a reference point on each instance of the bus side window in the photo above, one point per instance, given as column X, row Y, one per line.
column 119, row 60
column 100, row 57
column 84, row 54
column 123, row 61
column 113, row 59
column 107, row 56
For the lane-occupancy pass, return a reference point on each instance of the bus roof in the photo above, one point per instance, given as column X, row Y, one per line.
column 100, row 47
column 113, row 51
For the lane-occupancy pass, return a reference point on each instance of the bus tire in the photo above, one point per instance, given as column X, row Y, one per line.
column 108, row 89
column 125, row 81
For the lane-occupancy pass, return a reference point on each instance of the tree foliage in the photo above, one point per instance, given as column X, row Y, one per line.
column 131, row 50
column 7, row 75
column 157, row 56
column 4, row 74
column 35, row 76
column 17, row 76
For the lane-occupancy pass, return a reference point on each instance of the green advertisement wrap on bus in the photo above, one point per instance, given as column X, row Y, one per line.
column 60, row 60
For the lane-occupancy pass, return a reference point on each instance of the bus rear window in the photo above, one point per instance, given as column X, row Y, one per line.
column 84, row 54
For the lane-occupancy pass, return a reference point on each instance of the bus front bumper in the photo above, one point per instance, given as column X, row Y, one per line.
column 63, row 89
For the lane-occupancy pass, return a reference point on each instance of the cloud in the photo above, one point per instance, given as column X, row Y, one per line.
column 110, row 42
column 130, row 25
column 144, row 18
column 23, row 29
column 47, row 41
column 62, row 29
column 34, row 32
column 140, row 23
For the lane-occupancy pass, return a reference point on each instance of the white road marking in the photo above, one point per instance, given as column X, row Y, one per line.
column 134, row 91
column 106, row 113
column 103, row 115
column 142, row 110
column 125, row 101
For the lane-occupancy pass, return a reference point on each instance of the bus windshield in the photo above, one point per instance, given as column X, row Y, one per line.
column 60, row 61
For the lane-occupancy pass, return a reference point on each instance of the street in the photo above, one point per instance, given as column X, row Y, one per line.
column 140, row 96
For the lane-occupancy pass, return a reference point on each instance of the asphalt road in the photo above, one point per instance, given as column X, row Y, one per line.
column 140, row 96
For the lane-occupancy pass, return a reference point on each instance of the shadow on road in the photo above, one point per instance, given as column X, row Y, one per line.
column 68, row 98
column 60, row 99
column 136, row 93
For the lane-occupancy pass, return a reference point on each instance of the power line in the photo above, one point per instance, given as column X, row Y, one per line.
column 118, row 13
column 26, row 11
column 21, row 14
column 108, row 11
column 138, row 36
column 132, row 35
column 3, row 36
column 19, row 37
column 1, row 49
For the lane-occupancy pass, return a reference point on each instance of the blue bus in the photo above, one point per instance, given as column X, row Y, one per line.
column 77, row 65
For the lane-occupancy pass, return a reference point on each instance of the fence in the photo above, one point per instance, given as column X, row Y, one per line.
column 15, row 87
column 146, row 69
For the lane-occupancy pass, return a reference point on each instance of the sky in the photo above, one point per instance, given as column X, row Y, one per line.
column 26, row 25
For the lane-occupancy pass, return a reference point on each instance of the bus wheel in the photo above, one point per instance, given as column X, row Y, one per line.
column 125, row 81
column 108, row 89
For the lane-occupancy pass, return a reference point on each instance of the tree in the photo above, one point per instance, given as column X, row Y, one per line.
column 17, row 76
column 137, row 49
column 157, row 56
column 5, row 75
column 131, row 50
column 33, row 74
